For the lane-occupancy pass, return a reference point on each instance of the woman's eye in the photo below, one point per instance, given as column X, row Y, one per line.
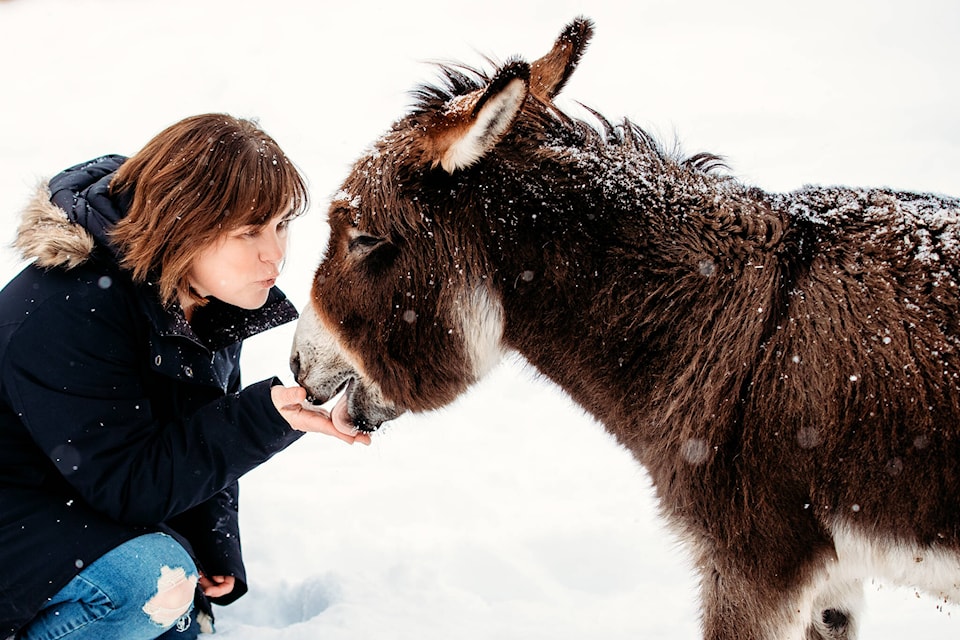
column 246, row 232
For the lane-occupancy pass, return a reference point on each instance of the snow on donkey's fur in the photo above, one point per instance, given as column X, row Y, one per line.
column 785, row 366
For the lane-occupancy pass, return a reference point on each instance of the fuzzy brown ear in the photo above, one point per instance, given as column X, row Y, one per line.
column 473, row 124
column 549, row 74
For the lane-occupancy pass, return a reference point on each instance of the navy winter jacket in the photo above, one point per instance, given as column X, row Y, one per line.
column 116, row 416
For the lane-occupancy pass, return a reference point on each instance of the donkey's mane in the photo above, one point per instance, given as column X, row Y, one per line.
column 457, row 79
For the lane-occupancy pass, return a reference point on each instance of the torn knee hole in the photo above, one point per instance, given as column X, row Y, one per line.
column 173, row 598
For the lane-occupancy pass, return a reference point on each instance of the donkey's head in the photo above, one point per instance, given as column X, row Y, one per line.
column 403, row 308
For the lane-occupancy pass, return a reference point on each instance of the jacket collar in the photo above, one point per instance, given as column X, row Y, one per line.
column 217, row 324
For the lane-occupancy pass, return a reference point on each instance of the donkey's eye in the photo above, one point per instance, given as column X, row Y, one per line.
column 361, row 243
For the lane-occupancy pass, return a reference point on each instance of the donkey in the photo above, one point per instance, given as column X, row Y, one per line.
column 785, row 366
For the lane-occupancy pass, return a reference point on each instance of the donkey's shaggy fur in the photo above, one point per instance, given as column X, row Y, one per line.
column 785, row 366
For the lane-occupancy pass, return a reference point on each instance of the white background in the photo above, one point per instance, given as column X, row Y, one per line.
column 510, row 514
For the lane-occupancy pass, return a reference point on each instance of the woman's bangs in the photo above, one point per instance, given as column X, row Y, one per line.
column 273, row 187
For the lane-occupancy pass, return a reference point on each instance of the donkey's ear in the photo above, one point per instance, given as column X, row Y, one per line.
column 549, row 74
column 475, row 123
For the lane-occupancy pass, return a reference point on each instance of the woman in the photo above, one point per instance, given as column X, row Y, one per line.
column 123, row 425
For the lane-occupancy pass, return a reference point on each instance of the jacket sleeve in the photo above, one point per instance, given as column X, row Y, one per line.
column 213, row 530
column 72, row 375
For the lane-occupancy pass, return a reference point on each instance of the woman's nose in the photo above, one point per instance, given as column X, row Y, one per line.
column 273, row 248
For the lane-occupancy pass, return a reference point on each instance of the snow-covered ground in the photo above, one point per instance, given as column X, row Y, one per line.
column 509, row 515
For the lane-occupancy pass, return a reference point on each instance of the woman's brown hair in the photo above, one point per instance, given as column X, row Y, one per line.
column 196, row 180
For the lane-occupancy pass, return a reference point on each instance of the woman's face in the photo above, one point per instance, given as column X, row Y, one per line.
column 241, row 266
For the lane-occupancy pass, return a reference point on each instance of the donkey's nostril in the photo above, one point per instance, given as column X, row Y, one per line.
column 295, row 366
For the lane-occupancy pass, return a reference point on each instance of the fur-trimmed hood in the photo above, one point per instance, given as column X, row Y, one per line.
column 70, row 215
column 47, row 235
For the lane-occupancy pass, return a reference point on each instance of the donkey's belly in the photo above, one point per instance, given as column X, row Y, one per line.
column 933, row 570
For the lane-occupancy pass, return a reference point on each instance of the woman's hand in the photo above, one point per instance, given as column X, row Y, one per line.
column 217, row 586
column 289, row 402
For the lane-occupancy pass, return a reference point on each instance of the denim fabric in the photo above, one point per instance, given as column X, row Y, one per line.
column 115, row 598
column 187, row 627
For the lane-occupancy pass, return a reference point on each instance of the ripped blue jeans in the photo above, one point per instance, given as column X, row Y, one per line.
column 140, row 590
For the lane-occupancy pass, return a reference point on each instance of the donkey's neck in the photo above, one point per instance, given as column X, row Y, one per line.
column 657, row 321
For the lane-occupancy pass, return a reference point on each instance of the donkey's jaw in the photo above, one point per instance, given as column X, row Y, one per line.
column 366, row 407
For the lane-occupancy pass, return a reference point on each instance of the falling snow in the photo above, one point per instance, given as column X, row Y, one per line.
column 510, row 515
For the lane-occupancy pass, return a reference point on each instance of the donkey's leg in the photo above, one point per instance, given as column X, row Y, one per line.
column 737, row 608
column 742, row 601
column 832, row 624
column 836, row 610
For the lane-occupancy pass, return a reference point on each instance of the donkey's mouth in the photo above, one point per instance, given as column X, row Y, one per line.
column 321, row 399
column 341, row 412
column 354, row 409
column 350, row 407
column 346, row 404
